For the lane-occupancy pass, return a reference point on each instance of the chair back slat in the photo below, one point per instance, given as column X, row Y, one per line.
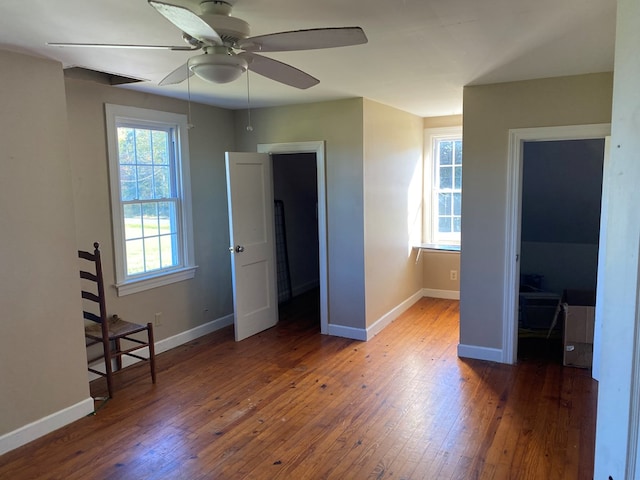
column 88, row 276
column 99, row 296
column 92, row 316
column 90, row 296
column 86, row 255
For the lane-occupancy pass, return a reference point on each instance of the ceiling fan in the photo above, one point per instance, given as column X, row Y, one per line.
column 229, row 50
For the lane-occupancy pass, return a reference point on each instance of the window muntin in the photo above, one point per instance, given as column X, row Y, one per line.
column 149, row 168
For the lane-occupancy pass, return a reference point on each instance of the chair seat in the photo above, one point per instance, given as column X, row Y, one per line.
column 118, row 328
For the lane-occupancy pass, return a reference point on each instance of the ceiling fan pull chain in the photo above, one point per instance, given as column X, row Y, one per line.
column 189, row 124
column 249, row 127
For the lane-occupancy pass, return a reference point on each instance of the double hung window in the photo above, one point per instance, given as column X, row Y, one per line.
column 150, row 194
column 443, row 186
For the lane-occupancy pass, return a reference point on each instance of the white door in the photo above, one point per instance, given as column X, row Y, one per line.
column 250, row 199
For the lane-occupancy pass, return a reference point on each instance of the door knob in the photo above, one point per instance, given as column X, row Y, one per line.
column 239, row 248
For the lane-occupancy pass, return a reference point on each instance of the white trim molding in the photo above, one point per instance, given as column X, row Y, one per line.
column 27, row 433
column 480, row 353
column 517, row 138
column 317, row 147
column 347, row 332
column 392, row 314
column 446, row 294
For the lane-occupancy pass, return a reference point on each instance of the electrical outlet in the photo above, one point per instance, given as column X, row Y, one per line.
column 157, row 321
column 453, row 275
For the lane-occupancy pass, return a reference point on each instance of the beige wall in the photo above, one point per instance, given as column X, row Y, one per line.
column 392, row 207
column 489, row 112
column 437, row 266
column 436, row 273
column 444, row 121
column 340, row 125
column 42, row 349
column 182, row 304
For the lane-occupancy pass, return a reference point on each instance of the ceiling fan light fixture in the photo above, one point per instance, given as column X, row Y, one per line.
column 218, row 68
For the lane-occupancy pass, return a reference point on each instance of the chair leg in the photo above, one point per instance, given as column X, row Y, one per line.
column 108, row 367
column 152, row 352
column 118, row 355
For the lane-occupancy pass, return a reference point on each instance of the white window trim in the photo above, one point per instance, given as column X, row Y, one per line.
column 141, row 116
column 429, row 223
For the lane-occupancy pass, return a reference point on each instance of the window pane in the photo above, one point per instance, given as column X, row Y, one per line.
column 160, row 147
column 167, row 217
column 135, row 256
column 458, row 178
column 128, row 184
column 161, row 177
column 132, row 222
column 143, row 146
column 126, row 150
column 444, row 224
column 444, row 204
column 445, row 150
column 145, row 183
column 169, row 250
column 150, row 219
column 152, row 253
column 456, row 224
column 446, row 177
column 458, row 154
column 457, row 203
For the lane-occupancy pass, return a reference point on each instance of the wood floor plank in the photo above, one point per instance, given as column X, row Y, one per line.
column 290, row 403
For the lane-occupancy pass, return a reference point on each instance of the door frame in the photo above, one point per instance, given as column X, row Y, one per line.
column 517, row 138
column 317, row 147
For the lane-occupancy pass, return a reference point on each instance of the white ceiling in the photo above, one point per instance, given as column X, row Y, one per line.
column 419, row 56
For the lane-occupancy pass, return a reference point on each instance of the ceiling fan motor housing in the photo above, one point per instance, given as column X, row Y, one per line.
column 217, row 16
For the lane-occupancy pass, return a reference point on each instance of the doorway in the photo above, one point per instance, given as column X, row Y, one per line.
column 317, row 151
column 512, row 264
column 561, row 199
column 295, row 192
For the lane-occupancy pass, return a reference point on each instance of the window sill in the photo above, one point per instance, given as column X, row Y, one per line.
column 434, row 247
column 149, row 282
column 438, row 247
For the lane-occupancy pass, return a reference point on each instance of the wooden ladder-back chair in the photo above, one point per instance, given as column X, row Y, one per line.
column 110, row 331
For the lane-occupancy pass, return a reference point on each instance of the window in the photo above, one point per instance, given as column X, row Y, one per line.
column 443, row 185
column 150, row 197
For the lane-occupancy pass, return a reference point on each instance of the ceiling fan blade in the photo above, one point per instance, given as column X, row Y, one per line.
column 278, row 71
column 187, row 21
column 311, row 39
column 123, row 45
column 180, row 74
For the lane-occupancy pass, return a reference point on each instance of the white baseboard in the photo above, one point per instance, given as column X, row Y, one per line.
column 447, row 294
column 370, row 332
column 170, row 342
column 27, row 433
column 480, row 353
column 199, row 331
column 394, row 313
column 48, row 424
column 347, row 332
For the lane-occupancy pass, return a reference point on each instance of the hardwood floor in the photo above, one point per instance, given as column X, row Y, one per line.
column 292, row 404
